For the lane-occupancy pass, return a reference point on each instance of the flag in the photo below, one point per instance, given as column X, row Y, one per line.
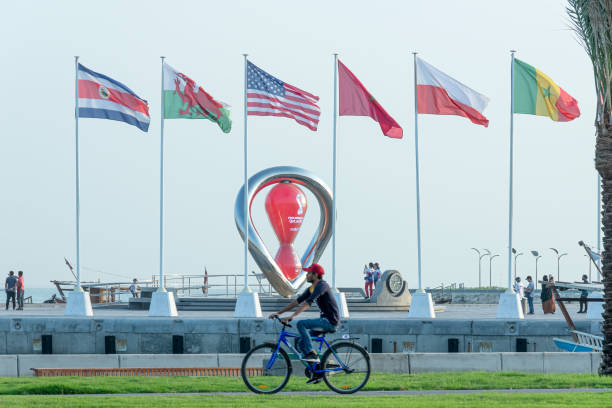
column 269, row 96
column 439, row 94
column 104, row 98
column 355, row 100
column 536, row 94
column 184, row 99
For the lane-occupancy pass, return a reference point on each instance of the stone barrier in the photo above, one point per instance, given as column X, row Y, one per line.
column 397, row 363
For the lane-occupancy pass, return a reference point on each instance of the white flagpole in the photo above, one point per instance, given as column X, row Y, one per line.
column 246, row 183
column 418, row 191
column 510, row 199
column 334, row 170
column 76, row 119
column 161, row 185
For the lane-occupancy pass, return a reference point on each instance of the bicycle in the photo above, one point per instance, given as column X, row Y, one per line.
column 345, row 365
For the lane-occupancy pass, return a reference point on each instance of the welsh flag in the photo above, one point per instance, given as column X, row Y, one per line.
column 184, row 99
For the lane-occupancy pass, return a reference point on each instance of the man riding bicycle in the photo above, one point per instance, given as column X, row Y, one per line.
column 320, row 292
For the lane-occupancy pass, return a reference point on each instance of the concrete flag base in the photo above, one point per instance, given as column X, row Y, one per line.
column 595, row 309
column 341, row 302
column 78, row 303
column 247, row 304
column 509, row 306
column 421, row 306
column 162, row 304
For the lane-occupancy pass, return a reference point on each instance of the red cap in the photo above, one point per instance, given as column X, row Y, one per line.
column 316, row 268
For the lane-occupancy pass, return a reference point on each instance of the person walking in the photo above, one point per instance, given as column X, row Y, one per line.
column 20, row 290
column 10, row 286
column 584, row 294
column 529, row 293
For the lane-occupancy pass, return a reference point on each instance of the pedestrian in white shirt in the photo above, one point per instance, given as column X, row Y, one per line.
column 520, row 290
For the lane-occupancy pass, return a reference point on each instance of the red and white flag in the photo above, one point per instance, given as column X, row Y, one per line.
column 439, row 94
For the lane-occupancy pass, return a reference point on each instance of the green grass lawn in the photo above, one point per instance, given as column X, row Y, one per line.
column 378, row 381
column 485, row 399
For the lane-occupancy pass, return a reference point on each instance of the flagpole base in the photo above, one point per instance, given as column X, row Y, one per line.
column 341, row 302
column 595, row 309
column 247, row 305
column 421, row 306
column 509, row 306
column 162, row 304
column 78, row 303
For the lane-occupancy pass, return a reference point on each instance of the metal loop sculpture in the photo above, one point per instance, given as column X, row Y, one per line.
column 258, row 249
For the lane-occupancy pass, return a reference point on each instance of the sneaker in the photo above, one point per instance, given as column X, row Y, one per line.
column 311, row 357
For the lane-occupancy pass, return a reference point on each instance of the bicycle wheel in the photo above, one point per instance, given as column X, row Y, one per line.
column 350, row 367
column 265, row 372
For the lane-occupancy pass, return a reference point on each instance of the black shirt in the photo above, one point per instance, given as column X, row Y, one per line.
column 324, row 297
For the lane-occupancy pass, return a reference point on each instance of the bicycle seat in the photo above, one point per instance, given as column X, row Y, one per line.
column 320, row 332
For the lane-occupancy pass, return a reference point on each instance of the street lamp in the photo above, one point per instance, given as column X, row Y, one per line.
column 491, row 260
column 515, row 256
column 480, row 256
column 558, row 258
column 537, row 257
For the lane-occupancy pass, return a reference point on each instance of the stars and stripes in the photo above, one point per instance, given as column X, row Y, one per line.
column 104, row 98
column 269, row 96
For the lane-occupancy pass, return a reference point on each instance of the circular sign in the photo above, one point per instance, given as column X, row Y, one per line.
column 395, row 283
column 104, row 92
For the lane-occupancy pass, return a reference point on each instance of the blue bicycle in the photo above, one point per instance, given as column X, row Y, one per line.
column 344, row 366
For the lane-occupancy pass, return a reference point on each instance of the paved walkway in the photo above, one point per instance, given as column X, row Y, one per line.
column 364, row 393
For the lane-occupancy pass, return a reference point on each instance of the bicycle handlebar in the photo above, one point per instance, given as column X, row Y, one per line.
column 283, row 323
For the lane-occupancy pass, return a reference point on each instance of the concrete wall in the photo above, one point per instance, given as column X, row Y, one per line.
column 72, row 335
column 413, row 363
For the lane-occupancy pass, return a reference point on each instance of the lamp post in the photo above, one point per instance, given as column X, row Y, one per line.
column 480, row 256
column 559, row 256
column 515, row 256
column 589, row 261
column 537, row 258
column 491, row 260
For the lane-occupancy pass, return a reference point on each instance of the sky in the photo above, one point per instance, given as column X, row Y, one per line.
column 464, row 168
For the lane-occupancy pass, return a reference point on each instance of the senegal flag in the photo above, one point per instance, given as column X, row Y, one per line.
column 536, row 94
column 184, row 99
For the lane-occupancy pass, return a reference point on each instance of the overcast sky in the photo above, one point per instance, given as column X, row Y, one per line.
column 464, row 167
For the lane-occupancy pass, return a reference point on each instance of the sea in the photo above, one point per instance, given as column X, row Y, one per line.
column 39, row 295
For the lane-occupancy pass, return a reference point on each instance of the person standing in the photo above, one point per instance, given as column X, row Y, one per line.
column 9, row 286
column 377, row 274
column 20, row 290
column 584, row 294
column 133, row 288
column 529, row 293
column 369, row 279
column 551, row 282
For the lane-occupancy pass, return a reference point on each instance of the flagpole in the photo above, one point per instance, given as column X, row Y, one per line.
column 161, row 186
column 77, row 204
column 246, row 181
column 334, row 170
column 511, row 170
column 418, row 191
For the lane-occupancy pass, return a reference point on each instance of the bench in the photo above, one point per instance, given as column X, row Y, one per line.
column 145, row 372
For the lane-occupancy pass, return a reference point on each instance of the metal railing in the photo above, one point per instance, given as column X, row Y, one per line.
column 207, row 285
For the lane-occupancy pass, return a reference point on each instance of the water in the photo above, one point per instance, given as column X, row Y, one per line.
column 39, row 295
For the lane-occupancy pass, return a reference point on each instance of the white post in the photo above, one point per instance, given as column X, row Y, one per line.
column 247, row 302
column 162, row 301
column 78, row 303
column 339, row 296
column 421, row 305
column 509, row 302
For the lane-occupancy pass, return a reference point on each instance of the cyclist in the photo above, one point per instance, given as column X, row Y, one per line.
column 320, row 292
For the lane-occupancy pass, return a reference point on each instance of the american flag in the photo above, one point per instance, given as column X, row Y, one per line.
column 269, row 96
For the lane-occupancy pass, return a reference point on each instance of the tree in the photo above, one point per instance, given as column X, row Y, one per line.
column 592, row 22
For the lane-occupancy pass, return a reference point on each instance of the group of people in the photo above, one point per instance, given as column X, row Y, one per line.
column 15, row 289
column 546, row 294
column 371, row 275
